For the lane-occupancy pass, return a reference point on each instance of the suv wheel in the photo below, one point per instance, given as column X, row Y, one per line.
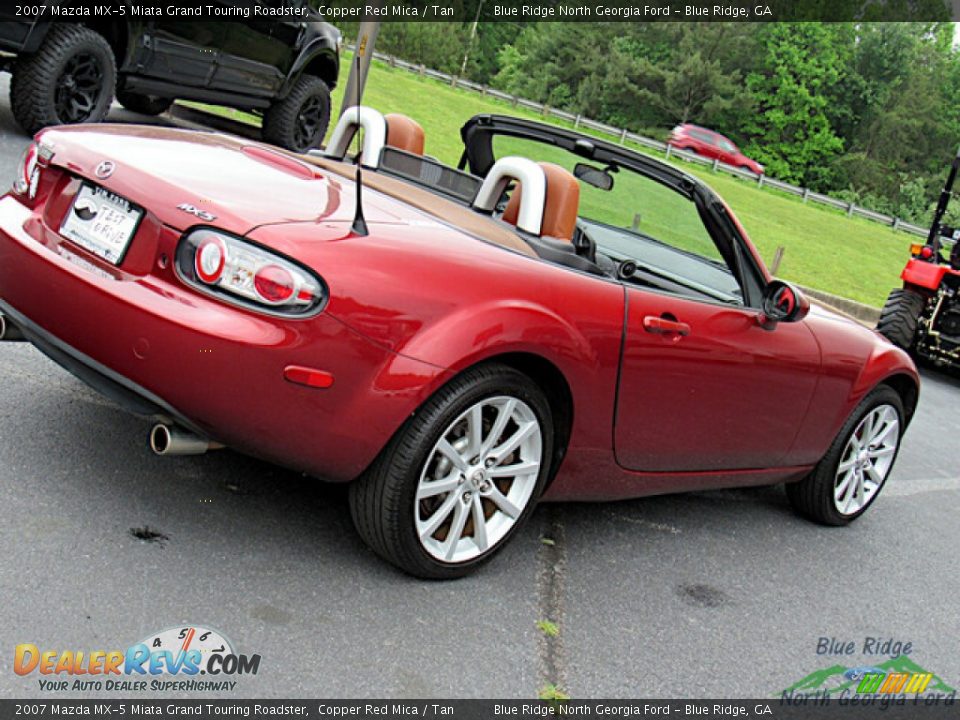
column 143, row 104
column 898, row 319
column 70, row 79
column 299, row 121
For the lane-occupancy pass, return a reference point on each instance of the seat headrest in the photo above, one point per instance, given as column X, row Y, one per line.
column 359, row 117
column 560, row 206
column 404, row 133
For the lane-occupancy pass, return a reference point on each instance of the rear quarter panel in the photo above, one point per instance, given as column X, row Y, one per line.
column 429, row 293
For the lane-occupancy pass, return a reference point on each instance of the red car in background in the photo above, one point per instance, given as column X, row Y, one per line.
column 712, row 145
column 560, row 317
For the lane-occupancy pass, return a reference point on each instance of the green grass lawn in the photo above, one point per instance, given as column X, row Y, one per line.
column 824, row 249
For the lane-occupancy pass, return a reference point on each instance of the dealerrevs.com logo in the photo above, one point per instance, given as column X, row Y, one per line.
column 170, row 660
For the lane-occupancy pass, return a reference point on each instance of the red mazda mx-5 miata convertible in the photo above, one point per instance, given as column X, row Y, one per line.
column 559, row 317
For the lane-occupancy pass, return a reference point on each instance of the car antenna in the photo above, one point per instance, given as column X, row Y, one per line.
column 359, row 226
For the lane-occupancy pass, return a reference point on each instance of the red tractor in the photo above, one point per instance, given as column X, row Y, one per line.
column 924, row 316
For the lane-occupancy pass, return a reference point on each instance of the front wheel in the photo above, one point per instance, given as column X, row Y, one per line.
column 299, row 121
column 850, row 476
column 460, row 478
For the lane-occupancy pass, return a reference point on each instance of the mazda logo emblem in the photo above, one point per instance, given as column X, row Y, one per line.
column 105, row 169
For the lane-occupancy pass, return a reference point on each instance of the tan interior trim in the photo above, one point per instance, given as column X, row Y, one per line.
column 461, row 218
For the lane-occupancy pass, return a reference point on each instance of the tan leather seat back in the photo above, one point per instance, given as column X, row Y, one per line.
column 561, row 205
column 404, row 133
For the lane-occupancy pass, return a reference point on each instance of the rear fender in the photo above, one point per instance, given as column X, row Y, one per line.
column 922, row 274
column 470, row 334
column 473, row 335
column 319, row 58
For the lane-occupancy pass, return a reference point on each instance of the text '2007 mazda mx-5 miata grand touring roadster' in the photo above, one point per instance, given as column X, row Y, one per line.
column 559, row 317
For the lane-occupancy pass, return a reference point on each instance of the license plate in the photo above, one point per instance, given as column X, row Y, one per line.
column 102, row 222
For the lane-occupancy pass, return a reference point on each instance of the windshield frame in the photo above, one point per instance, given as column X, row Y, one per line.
column 478, row 135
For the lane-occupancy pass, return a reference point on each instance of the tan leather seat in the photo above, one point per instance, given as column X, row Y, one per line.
column 560, row 207
column 404, row 133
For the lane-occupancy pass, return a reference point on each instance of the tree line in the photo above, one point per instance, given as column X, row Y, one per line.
column 866, row 112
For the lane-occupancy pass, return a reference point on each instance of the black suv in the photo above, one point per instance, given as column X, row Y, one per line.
column 69, row 72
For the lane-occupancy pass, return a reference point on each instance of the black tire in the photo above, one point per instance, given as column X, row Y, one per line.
column 70, row 79
column 383, row 501
column 143, row 104
column 813, row 497
column 899, row 317
column 300, row 120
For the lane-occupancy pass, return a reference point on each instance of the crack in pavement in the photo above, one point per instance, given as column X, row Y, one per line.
column 551, row 572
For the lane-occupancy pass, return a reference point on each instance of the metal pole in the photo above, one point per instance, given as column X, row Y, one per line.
column 933, row 238
column 366, row 39
column 473, row 34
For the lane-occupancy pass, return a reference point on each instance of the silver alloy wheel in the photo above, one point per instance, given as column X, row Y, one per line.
column 866, row 459
column 478, row 479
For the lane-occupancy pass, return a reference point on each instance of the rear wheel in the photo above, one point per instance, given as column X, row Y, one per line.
column 899, row 317
column 850, row 476
column 299, row 121
column 143, row 104
column 70, row 79
column 460, row 478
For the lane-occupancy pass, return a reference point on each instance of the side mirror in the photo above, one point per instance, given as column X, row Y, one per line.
column 782, row 302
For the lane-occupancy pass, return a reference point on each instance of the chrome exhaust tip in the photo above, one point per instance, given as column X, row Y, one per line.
column 9, row 331
column 171, row 440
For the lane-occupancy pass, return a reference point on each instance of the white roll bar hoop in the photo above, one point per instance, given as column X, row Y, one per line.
column 531, row 179
column 374, row 134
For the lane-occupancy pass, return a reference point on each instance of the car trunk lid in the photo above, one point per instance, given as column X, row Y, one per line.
column 187, row 178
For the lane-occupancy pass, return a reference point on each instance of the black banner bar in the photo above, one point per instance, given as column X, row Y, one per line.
column 485, row 10
column 894, row 707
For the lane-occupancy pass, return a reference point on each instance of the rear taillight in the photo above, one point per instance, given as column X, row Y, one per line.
column 210, row 259
column 33, row 160
column 274, row 284
column 246, row 274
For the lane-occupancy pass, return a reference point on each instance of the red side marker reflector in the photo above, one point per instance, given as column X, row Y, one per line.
column 307, row 376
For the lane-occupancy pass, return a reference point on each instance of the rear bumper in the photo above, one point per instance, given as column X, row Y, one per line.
column 161, row 350
column 127, row 394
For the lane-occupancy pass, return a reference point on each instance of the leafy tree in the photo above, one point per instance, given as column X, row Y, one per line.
column 790, row 130
column 696, row 82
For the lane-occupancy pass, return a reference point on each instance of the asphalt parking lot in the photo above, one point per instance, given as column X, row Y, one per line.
column 718, row 594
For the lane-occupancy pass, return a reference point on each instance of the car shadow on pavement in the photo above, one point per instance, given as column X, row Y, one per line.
column 92, row 460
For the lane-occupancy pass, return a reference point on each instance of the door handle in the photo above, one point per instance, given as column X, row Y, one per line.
column 665, row 325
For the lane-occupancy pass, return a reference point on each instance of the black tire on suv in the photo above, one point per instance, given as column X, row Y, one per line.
column 898, row 319
column 143, row 104
column 69, row 79
column 299, row 121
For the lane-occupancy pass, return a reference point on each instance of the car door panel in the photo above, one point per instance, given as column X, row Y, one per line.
column 703, row 387
column 185, row 52
column 254, row 60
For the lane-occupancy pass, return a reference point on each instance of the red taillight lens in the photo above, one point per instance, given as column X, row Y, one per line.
column 274, row 283
column 29, row 177
column 210, row 258
column 247, row 274
column 926, row 252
